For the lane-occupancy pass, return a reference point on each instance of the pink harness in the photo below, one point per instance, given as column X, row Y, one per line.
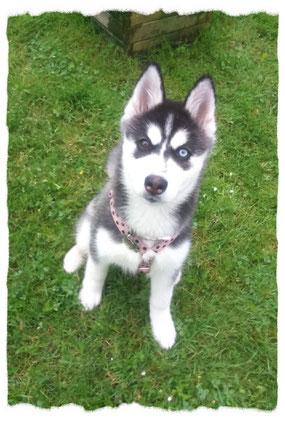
column 135, row 242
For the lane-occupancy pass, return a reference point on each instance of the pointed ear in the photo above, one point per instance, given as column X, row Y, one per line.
column 148, row 92
column 201, row 104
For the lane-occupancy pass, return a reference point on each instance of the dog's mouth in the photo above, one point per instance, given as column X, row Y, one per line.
column 152, row 199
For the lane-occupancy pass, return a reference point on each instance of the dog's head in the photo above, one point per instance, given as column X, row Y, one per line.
column 166, row 143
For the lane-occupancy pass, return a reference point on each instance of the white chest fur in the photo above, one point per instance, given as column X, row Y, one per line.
column 154, row 221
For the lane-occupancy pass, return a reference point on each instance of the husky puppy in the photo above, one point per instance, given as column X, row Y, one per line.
column 141, row 219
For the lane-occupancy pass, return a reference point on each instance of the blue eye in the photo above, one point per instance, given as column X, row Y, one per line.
column 183, row 153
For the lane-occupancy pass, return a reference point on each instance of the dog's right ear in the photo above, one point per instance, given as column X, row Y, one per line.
column 148, row 92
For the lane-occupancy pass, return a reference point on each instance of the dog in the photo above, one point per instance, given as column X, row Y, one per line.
column 141, row 219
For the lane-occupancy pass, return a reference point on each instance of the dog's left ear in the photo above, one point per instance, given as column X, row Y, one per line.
column 201, row 104
column 148, row 92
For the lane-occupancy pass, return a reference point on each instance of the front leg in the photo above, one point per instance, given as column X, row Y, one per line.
column 165, row 274
column 162, row 325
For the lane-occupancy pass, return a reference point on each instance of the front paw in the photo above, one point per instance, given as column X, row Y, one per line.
column 163, row 329
column 89, row 299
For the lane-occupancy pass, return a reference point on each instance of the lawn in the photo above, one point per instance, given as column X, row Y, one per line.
column 68, row 84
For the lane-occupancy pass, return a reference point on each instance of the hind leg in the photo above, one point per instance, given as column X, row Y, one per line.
column 92, row 285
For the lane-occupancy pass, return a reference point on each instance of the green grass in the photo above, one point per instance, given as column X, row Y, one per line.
column 68, row 85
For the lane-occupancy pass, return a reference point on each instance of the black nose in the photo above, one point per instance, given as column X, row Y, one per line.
column 155, row 185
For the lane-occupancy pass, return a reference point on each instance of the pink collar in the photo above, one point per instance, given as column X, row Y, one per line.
column 134, row 242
